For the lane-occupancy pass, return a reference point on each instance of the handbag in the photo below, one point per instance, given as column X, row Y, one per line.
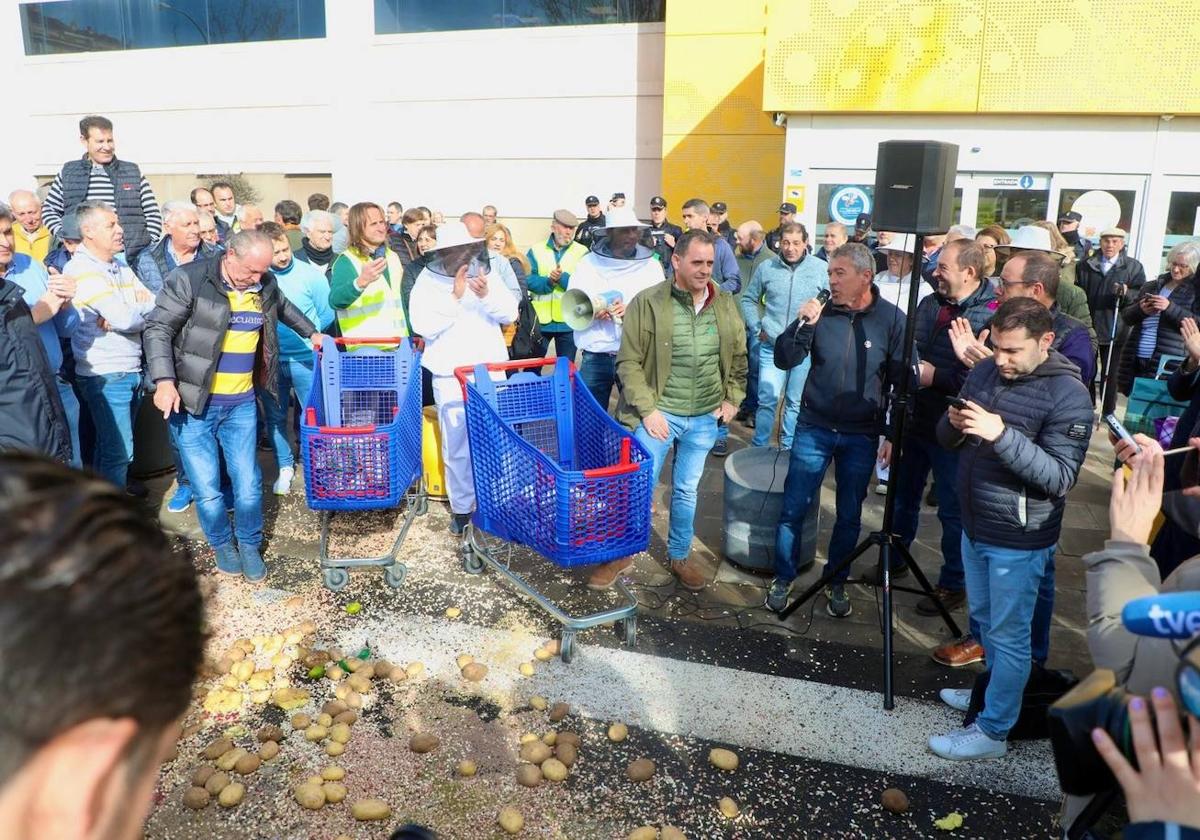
column 1149, row 400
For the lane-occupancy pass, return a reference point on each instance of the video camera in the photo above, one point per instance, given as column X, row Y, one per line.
column 1098, row 701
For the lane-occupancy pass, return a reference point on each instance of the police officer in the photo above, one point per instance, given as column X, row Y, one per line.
column 662, row 235
column 724, row 229
column 787, row 215
column 592, row 225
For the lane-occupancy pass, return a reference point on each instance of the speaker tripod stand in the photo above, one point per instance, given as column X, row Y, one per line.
column 885, row 539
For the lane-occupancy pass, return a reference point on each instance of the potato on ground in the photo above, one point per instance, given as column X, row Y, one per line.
column 510, row 820
column 370, row 809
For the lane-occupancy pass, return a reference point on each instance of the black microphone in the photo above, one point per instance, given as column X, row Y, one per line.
column 821, row 298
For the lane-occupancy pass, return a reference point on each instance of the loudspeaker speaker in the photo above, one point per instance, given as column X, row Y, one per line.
column 914, row 186
column 579, row 309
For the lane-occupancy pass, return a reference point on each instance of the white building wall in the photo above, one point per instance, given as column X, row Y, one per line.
column 1160, row 152
column 528, row 119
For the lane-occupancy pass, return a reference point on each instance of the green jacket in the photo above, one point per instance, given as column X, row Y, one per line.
column 1072, row 300
column 644, row 360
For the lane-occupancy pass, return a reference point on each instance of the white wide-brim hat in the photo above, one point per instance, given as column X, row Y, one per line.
column 453, row 235
column 622, row 217
column 1030, row 238
column 902, row 242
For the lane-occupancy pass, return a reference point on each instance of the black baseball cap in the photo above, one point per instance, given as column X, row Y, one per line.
column 787, row 207
column 719, row 207
column 591, row 201
column 1070, row 216
column 659, row 202
column 616, row 196
column 863, row 222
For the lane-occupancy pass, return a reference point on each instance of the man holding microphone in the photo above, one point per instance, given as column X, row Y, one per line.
column 856, row 345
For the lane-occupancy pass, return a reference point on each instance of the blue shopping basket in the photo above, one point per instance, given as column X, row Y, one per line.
column 552, row 470
column 361, row 431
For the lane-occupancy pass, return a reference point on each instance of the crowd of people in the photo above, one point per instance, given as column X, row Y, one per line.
column 210, row 311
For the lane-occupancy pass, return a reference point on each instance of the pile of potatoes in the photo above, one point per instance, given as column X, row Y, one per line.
column 214, row 779
column 551, row 756
column 254, row 671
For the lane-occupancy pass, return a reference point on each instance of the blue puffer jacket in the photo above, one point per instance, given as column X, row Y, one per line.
column 933, row 346
column 1016, row 488
column 783, row 289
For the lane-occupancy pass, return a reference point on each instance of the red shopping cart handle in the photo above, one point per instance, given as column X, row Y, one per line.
column 517, row 364
column 624, row 467
column 346, row 430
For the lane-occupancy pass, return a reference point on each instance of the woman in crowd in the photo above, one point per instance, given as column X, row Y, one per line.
column 404, row 242
column 424, row 241
column 500, row 243
column 988, row 238
column 1063, row 251
column 317, row 240
column 1156, row 317
column 459, row 310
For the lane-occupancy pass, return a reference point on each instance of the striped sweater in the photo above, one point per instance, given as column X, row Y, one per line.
column 100, row 188
column 233, row 382
column 108, row 291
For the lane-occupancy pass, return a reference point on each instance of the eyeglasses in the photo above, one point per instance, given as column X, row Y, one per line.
column 1008, row 284
column 1184, row 266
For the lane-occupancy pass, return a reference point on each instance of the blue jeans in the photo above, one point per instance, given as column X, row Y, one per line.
column 853, row 459
column 695, row 436
column 599, row 374
column 71, row 406
column 750, row 404
column 112, row 401
column 564, row 343
column 1002, row 588
column 910, row 474
column 771, row 384
column 202, row 438
column 1043, row 614
column 294, row 375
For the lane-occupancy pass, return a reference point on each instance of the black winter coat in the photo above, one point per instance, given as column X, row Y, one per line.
column 32, row 418
column 933, row 346
column 184, row 333
column 1170, row 339
column 1014, row 490
column 1102, row 300
column 857, row 358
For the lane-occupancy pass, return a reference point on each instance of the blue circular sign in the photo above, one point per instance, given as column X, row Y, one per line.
column 847, row 202
column 1026, row 182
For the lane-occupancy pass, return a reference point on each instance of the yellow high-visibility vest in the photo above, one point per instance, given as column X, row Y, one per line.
column 377, row 312
column 549, row 306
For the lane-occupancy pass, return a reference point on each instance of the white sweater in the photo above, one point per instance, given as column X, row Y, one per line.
column 597, row 273
column 462, row 331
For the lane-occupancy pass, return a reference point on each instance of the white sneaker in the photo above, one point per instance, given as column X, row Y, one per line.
column 283, row 484
column 958, row 699
column 967, row 744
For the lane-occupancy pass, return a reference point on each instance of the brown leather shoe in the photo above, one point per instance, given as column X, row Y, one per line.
column 606, row 574
column 951, row 599
column 960, row 652
column 690, row 575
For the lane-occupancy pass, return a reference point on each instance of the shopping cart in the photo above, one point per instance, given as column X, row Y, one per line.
column 361, row 441
column 555, row 474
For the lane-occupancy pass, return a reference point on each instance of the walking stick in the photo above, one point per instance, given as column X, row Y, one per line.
column 1106, row 380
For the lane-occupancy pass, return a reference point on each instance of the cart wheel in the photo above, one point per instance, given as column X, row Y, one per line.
column 629, row 625
column 393, row 575
column 472, row 562
column 422, row 506
column 336, row 579
column 567, row 646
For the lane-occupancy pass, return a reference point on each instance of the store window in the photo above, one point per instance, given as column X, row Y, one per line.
column 1183, row 222
column 76, row 26
column 1011, row 208
column 394, row 16
column 1100, row 208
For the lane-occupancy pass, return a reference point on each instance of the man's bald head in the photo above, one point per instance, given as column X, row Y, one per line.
column 26, row 209
column 475, row 224
column 750, row 236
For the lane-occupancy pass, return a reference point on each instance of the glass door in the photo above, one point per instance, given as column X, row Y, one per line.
column 841, row 194
column 1011, row 200
column 1103, row 200
column 1172, row 216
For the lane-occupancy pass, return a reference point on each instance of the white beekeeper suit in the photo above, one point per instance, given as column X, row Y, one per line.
column 601, row 272
column 458, row 331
